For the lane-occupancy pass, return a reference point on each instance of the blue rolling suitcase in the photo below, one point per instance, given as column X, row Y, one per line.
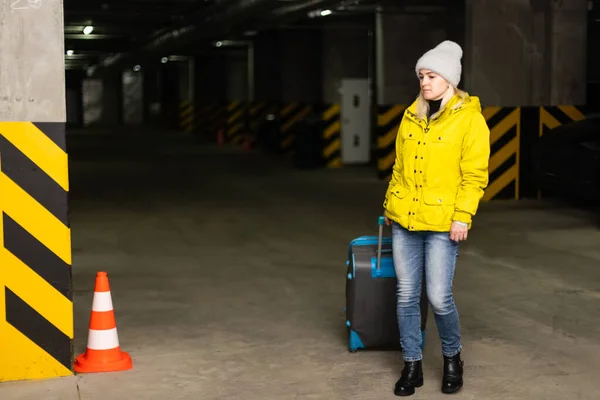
column 371, row 295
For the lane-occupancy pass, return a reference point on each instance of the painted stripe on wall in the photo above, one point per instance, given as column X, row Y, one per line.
column 388, row 122
column 40, row 186
column 37, row 329
column 332, row 136
column 504, row 124
column 36, row 309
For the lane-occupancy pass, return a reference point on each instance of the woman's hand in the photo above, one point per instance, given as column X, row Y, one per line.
column 459, row 231
column 388, row 221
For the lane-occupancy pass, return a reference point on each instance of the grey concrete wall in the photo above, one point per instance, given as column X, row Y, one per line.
column 133, row 104
column 400, row 40
column 267, row 70
column 92, row 101
column 568, row 33
column 187, row 75
column 102, row 100
column 526, row 52
column 237, row 74
column 345, row 55
column 32, row 74
column 211, row 77
column 301, row 65
column 505, row 59
column 152, row 95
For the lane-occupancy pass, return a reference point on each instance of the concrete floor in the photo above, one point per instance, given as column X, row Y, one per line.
column 227, row 274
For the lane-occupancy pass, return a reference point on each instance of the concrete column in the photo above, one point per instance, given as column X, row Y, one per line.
column 526, row 52
column 568, row 47
column 211, row 77
column 267, row 71
column 151, row 94
column 400, row 40
column 36, row 310
column 133, row 97
column 301, row 65
column 237, row 74
column 169, row 95
column 288, row 66
column 346, row 54
column 74, row 79
column 186, row 80
column 112, row 99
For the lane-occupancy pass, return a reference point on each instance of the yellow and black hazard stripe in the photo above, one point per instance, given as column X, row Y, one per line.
column 505, row 129
column 186, row 116
column 388, row 122
column 202, row 116
column 236, row 121
column 332, row 136
column 216, row 117
column 554, row 116
column 36, row 308
column 290, row 115
column 256, row 113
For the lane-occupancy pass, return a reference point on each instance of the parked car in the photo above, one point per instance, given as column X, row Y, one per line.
column 567, row 161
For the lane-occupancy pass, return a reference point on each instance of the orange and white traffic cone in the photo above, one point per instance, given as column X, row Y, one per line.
column 103, row 353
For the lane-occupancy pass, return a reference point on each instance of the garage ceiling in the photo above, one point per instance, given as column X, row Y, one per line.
column 127, row 32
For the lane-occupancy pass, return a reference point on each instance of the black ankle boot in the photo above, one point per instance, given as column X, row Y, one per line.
column 453, row 374
column 412, row 377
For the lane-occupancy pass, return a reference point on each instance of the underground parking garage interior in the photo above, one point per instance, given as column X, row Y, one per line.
column 194, row 197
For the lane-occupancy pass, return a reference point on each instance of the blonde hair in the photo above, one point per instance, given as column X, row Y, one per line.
column 423, row 105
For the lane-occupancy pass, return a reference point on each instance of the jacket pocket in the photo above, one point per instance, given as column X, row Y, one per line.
column 400, row 191
column 438, row 208
column 436, row 198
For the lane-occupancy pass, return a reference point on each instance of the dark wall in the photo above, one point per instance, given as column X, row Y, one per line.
column 267, row 70
column 211, row 77
column 169, row 95
column 593, row 57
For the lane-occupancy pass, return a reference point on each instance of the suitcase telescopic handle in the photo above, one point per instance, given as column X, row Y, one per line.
column 380, row 222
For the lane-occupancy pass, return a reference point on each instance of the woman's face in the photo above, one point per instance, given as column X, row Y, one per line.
column 433, row 85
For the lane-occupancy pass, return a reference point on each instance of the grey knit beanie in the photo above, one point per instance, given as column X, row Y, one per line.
column 445, row 60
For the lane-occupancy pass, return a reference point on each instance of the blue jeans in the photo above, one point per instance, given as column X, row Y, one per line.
column 436, row 254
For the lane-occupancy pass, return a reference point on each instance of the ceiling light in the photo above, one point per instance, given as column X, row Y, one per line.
column 164, row 60
column 88, row 29
column 137, row 68
column 70, row 52
column 325, row 13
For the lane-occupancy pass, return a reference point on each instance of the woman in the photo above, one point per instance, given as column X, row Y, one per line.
column 440, row 172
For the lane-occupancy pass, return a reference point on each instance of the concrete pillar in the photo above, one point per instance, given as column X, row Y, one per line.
column 526, row 52
column 346, row 54
column 169, row 95
column 301, row 65
column 133, row 94
column 568, row 47
column 74, row 79
column 36, row 310
column 400, row 40
column 151, row 96
column 237, row 74
column 112, row 99
column 288, row 66
column 267, row 71
column 186, row 80
column 211, row 77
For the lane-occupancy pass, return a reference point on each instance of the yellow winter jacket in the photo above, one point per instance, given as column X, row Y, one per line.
column 441, row 167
